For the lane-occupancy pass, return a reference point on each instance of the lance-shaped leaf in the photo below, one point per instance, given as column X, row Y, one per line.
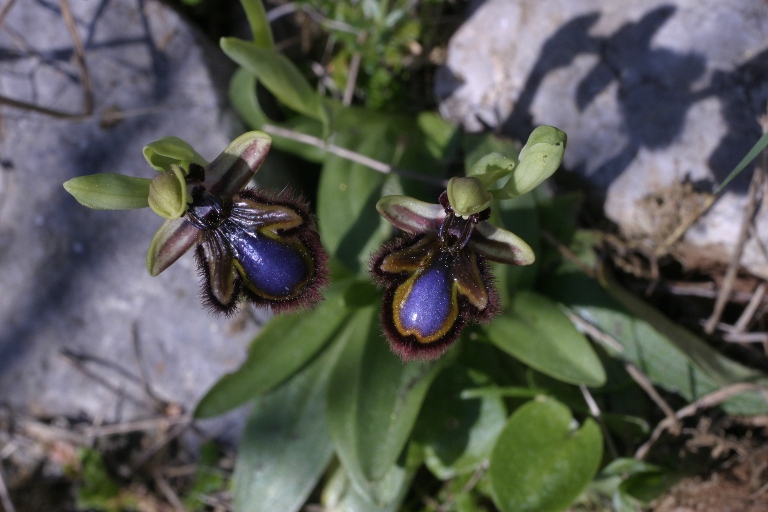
column 286, row 446
column 387, row 495
column 109, row 191
column 257, row 19
column 278, row 74
column 286, row 344
column 373, row 401
column 163, row 153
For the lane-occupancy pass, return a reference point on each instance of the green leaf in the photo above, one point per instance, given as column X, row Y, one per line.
column 257, row 19
column 208, row 478
column 672, row 357
column 639, row 480
column 458, row 433
column 519, row 215
column 539, row 334
column 109, row 191
column 278, row 75
column 501, row 391
column 759, row 147
column 340, row 495
column 286, row 446
column 539, row 464
column 373, row 401
column 242, row 96
column 281, row 349
column 163, row 153
column 348, row 221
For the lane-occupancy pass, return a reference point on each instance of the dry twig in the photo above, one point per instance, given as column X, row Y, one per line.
column 637, row 375
column 710, row 400
column 85, row 78
column 733, row 266
column 371, row 163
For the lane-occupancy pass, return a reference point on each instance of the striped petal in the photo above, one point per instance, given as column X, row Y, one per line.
column 411, row 215
column 500, row 245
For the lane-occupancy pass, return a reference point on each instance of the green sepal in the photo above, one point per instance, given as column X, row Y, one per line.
column 492, row 167
column 109, row 191
column 168, row 194
column 468, row 196
column 163, row 153
column 539, row 159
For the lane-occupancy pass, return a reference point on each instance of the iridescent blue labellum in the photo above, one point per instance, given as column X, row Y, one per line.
column 259, row 247
column 435, row 283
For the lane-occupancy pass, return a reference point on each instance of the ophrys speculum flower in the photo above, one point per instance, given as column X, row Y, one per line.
column 437, row 279
column 251, row 244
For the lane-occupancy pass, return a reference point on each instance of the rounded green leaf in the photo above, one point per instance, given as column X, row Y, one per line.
column 109, row 191
column 538, row 333
column 539, row 463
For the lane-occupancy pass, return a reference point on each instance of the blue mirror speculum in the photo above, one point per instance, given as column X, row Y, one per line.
column 258, row 246
column 437, row 279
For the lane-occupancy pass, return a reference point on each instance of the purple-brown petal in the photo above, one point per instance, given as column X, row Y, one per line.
column 174, row 238
column 411, row 215
column 500, row 245
column 234, row 168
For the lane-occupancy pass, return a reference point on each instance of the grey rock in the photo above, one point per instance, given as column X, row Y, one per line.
column 73, row 279
column 660, row 99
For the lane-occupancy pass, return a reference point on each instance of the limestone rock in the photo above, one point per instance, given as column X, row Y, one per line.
column 655, row 95
column 74, row 279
